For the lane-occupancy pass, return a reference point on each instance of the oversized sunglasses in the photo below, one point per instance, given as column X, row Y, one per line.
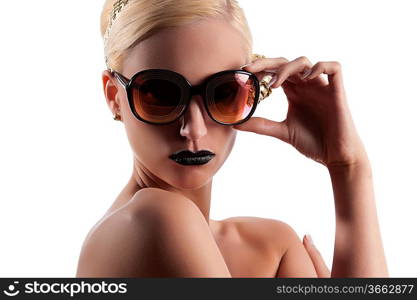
column 159, row 96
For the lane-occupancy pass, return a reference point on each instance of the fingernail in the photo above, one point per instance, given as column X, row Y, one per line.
column 306, row 73
column 273, row 80
column 245, row 65
column 309, row 239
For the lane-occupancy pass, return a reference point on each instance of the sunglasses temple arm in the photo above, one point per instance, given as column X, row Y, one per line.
column 123, row 80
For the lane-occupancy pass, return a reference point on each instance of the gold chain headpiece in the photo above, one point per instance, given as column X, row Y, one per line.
column 117, row 7
column 265, row 90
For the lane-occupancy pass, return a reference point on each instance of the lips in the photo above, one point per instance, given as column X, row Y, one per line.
column 187, row 153
column 186, row 157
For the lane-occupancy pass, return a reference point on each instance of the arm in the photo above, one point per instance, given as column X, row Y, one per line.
column 358, row 250
column 295, row 262
column 320, row 126
column 358, row 245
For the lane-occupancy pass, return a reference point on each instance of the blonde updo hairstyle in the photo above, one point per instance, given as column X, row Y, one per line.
column 139, row 19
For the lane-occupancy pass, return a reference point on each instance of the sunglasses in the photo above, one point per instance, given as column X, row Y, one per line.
column 159, row 96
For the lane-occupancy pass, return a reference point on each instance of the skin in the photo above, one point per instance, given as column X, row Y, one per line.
column 160, row 226
column 319, row 125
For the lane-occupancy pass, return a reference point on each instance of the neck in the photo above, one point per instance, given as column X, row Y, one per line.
column 142, row 178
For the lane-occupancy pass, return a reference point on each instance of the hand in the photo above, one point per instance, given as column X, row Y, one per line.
column 318, row 122
column 321, row 269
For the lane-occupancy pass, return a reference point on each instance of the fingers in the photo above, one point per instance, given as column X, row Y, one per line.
column 318, row 262
column 332, row 68
column 263, row 64
column 261, row 74
column 292, row 71
column 266, row 127
column 283, row 69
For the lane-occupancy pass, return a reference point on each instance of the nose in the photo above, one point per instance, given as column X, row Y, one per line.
column 193, row 124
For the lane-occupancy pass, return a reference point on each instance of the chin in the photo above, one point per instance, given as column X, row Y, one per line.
column 189, row 177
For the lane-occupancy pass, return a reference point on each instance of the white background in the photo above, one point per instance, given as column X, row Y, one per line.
column 63, row 159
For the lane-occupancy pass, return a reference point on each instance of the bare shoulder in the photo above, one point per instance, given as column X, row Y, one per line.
column 272, row 233
column 97, row 258
column 130, row 241
column 115, row 232
column 116, row 245
column 292, row 258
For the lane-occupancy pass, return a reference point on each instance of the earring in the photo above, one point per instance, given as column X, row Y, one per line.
column 116, row 117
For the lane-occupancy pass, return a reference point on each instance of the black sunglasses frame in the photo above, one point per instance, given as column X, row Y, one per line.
column 185, row 85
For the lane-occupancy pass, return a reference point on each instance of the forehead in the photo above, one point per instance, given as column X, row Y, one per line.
column 194, row 50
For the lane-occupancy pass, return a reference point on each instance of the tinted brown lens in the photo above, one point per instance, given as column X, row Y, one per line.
column 156, row 100
column 232, row 97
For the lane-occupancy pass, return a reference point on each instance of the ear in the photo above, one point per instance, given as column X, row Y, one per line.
column 110, row 89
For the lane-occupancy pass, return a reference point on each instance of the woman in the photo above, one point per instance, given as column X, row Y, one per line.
column 159, row 225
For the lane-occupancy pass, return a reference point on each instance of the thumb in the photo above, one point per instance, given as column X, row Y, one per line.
column 266, row 127
column 321, row 269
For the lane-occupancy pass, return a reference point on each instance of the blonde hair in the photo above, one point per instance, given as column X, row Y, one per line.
column 139, row 19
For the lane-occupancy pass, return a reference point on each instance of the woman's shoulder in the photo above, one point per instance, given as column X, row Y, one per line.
column 292, row 258
column 274, row 234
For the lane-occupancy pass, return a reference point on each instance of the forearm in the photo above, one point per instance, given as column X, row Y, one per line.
column 358, row 250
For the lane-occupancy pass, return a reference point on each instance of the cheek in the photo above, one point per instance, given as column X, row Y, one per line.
column 146, row 143
column 232, row 139
column 228, row 140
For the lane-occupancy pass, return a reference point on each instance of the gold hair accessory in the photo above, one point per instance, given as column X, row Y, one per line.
column 117, row 7
column 265, row 89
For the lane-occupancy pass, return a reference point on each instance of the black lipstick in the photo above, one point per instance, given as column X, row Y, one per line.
column 186, row 157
